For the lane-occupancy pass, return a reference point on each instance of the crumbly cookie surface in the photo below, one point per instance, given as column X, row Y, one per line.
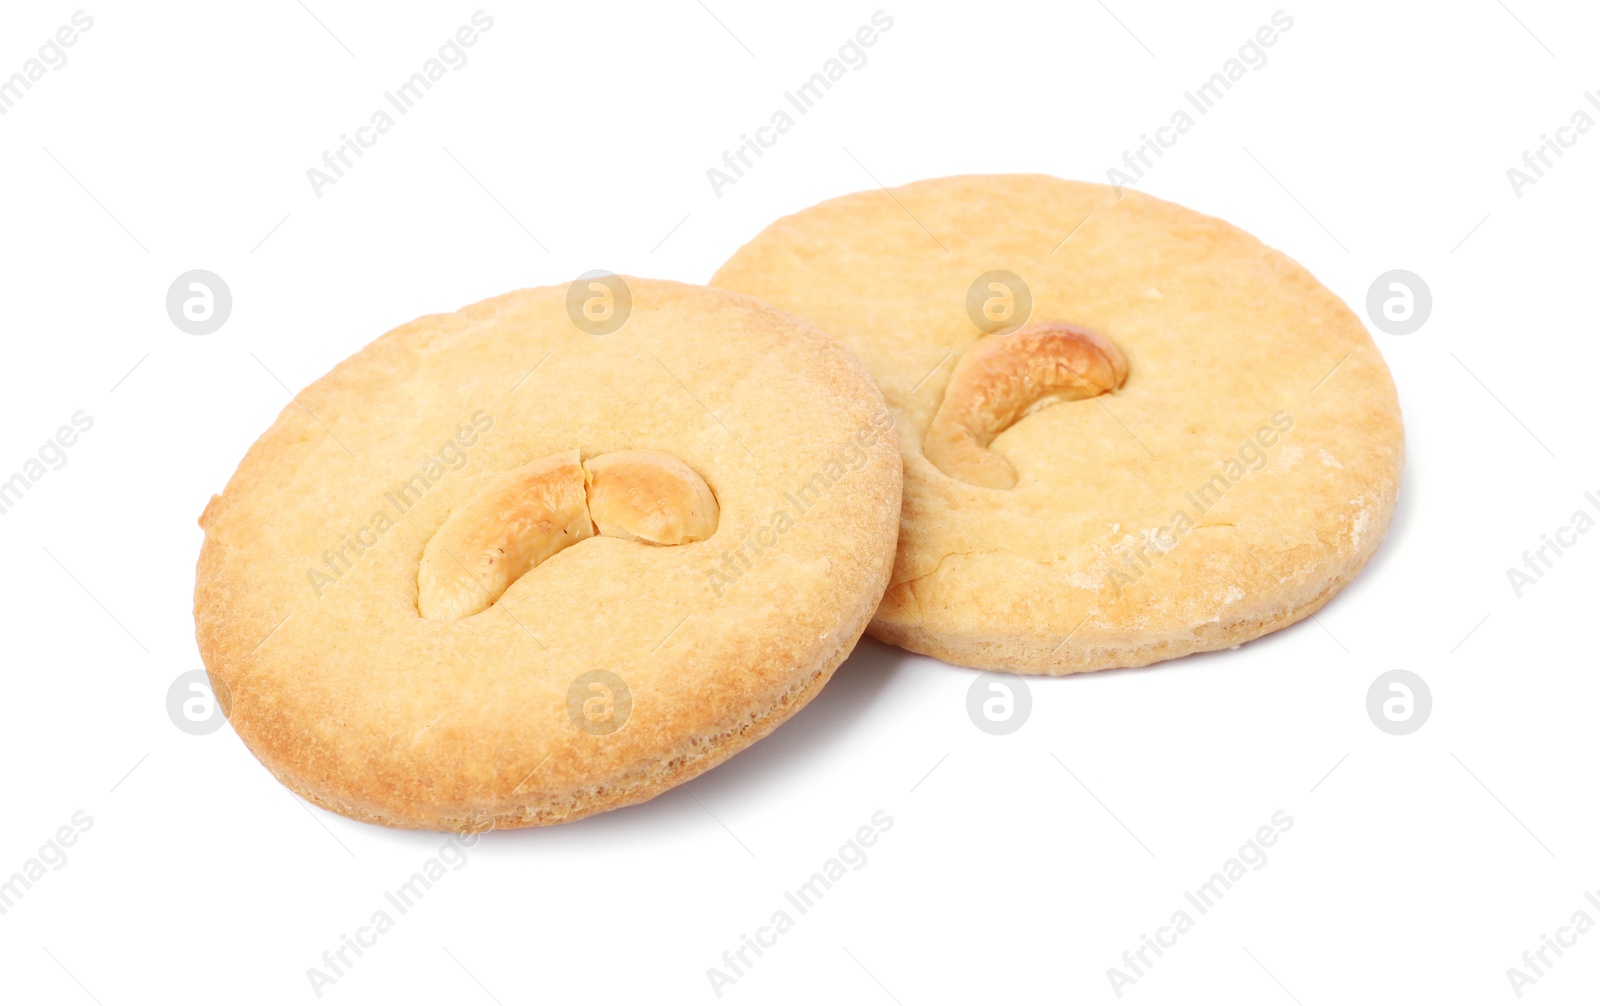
column 1245, row 471
column 306, row 599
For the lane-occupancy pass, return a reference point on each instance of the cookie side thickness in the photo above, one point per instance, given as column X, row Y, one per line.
column 978, row 581
column 1046, row 655
column 698, row 755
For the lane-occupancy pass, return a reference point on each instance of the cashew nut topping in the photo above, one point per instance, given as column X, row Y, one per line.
column 1003, row 378
column 530, row 513
column 649, row 497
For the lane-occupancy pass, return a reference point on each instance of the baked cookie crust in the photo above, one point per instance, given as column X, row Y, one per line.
column 306, row 595
column 1243, row 473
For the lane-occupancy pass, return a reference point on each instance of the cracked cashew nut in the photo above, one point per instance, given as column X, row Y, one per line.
column 530, row 513
column 1003, row 378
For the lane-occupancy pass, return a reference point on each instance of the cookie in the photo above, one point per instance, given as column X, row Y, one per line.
column 516, row 565
column 1130, row 431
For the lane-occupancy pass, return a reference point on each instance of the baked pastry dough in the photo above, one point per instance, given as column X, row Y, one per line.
column 1185, row 441
column 494, row 571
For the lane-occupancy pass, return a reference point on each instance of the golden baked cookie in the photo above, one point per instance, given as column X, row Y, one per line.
column 1130, row 431
column 516, row 565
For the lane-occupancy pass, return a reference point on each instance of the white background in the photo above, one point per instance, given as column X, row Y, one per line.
column 1018, row 868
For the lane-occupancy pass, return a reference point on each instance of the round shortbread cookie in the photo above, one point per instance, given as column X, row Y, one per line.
column 1201, row 442
column 681, row 602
